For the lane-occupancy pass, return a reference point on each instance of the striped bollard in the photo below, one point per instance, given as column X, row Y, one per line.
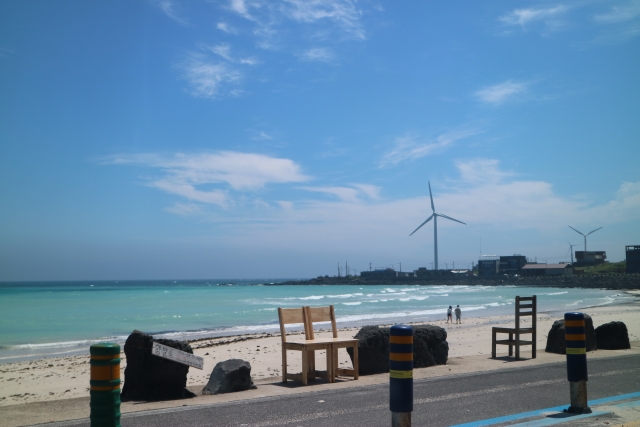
column 576, row 343
column 105, row 385
column 401, row 375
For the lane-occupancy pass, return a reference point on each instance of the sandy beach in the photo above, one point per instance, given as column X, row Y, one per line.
column 57, row 389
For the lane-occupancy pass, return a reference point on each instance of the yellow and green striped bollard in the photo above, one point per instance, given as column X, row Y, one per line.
column 401, row 375
column 576, row 343
column 105, row 385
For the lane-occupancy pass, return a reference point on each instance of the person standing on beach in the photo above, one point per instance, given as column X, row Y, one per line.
column 449, row 310
column 458, row 314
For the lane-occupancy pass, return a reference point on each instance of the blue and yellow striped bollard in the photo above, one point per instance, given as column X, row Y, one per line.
column 401, row 375
column 105, row 385
column 576, row 344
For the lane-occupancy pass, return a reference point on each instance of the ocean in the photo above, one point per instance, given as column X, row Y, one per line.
column 61, row 318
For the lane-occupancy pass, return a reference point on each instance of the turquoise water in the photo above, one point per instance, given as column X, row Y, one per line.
column 46, row 319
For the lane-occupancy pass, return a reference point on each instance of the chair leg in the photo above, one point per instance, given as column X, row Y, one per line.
column 284, row 365
column 517, row 346
column 510, row 344
column 305, row 367
column 533, row 345
column 330, row 365
column 356, row 363
column 334, row 363
column 493, row 344
column 311, row 357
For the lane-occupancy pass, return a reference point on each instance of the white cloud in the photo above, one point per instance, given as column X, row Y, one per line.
column 184, row 173
column 240, row 7
column 522, row 17
column 223, row 26
column 502, row 92
column 320, row 54
column 342, row 17
column 372, row 191
column 409, row 148
column 262, row 136
column 169, row 8
column 498, row 204
column 224, row 50
column 348, row 194
column 621, row 23
column 478, row 171
column 344, row 13
column 620, row 14
column 209, row 79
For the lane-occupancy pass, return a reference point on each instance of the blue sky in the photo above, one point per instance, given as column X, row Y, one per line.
column 246, row 139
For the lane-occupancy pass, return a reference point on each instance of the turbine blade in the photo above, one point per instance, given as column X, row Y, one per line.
column 594, row 231
column 452, row 219
column 431, row 195
column 428, row 219
column 575, row 230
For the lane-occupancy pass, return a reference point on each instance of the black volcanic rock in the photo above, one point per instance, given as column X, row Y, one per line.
column 430, row 348
column 229, row 376
column 613, row 336
column 152, row 378
column 556, row 338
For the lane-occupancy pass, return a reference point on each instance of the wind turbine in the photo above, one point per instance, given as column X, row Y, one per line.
column 435, row 216
column 571, row 249
column 584, row 235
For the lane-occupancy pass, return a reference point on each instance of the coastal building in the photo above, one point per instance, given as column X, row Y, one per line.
column 586, row 258
column 512, row 264
column 422, row 272
column 489, row 265
column 547, row 269
column 633, row 258
column 379, row 273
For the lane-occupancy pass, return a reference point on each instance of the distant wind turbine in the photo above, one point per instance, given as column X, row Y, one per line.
column 435, row 216
column 571, row 249
column 585, row 235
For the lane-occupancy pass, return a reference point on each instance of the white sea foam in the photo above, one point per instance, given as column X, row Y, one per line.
column 311, row 297
column 352, row 303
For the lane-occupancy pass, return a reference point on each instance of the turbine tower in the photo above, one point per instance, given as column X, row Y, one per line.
column 435, row 216
column 571, row 249
column 585, row 235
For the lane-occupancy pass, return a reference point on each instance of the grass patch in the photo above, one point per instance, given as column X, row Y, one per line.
column 606, row 268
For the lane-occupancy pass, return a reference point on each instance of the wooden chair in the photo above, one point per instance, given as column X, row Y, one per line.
column 525, row 306
column 327, row 314
column 307, row 347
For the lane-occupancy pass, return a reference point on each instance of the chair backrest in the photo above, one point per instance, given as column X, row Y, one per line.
column 288, row 316
column 526, row 306
column 319, row 314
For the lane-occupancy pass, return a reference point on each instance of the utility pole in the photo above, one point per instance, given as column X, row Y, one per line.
column 400, row 267
column 338, row 269
column 369, row 266
column 346, row 268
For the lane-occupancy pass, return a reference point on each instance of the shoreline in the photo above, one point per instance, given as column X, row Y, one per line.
column 62, row 378
column 34, row 352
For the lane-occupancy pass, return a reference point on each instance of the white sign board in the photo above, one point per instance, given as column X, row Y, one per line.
column 177, row 355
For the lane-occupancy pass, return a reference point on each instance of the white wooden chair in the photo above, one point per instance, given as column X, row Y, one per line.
column 306, row 346
column 327, row 314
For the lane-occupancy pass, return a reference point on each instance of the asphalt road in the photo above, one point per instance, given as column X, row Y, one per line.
column 437, row 402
